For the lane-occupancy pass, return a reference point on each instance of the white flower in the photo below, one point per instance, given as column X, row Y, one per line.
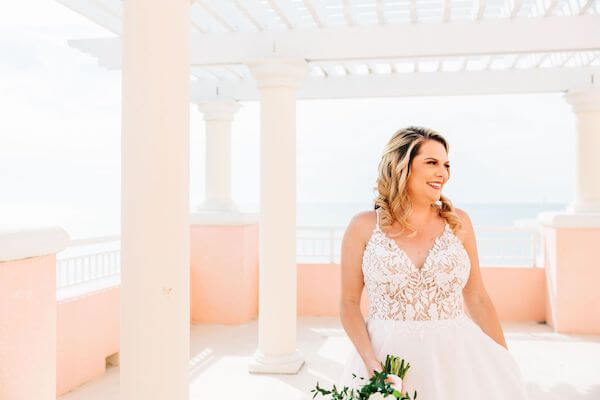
column 396, row 382
column 377, row 396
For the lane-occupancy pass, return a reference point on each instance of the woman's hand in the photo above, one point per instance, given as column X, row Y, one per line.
column 377, row 366
column 372, row 367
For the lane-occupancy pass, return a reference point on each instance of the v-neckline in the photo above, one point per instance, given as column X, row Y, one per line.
column 405, row 254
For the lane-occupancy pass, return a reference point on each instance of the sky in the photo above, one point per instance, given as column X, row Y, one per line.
column 60, row 135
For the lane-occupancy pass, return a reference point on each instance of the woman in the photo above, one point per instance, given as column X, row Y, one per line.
column 416, row 256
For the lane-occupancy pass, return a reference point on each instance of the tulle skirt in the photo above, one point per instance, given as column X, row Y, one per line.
column 449, row 359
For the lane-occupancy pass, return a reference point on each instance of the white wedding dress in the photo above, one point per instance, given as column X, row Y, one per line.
column 417, row 314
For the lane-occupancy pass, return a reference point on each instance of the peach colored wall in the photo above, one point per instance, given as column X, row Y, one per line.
column 518, row 293
column 88, row 326
column 87, row 333
column 28, row 328
column 224, row 273
column 573, row 274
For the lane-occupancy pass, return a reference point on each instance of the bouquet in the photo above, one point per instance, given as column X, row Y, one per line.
column 377, row 388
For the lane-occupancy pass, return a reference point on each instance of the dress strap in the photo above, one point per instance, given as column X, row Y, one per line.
column 377, row 223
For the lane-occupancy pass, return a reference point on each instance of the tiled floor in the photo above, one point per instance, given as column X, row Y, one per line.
column 555, row 366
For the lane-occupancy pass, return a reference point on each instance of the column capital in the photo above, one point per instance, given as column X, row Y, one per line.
column 218, row 110
column 584, row 99
column 278, row 71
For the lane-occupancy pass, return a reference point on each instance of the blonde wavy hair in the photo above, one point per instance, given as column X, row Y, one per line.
column 394, row 170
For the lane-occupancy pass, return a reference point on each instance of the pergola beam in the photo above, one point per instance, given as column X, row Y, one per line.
column 480, row 10
column 416, row 84
column 413, row 11
column 446, row 13
column 515, row 8
column 243, row 10
column 381, row 20
column 96, row 11
column 213, row 13
column 551, row 8
column 281, row 14
column 425, row 40
column 312, row 10
column 586, row 6
column 347, row 10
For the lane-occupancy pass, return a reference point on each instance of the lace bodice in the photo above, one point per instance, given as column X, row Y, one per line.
column 398, row 290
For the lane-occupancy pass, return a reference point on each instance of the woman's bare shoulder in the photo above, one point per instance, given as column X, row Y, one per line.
column 362, row 224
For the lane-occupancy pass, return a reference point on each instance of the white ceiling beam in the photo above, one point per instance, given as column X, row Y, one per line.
column 586, row 6
column 480, row 10
column 489, row 62
column 240, row 6
column 312, row 10
column 413, row 11
column 566, row 59
column 447, row 10
column 415, row 84
column 592, row 59
column 516, row 7
column 97, row 13
column 541, row 60
column 515, row 62
column 198, row 27
column 347, row 10
column 551, row 8
column 284, row 18
column 213, row 13
column 552, row 34
column 324, row 70
column 380, row 13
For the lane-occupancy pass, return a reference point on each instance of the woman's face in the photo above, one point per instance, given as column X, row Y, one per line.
column 430, row 170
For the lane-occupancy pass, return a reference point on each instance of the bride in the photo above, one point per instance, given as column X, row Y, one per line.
column 416, row 257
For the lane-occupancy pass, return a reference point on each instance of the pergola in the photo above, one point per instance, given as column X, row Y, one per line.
column 216, row 53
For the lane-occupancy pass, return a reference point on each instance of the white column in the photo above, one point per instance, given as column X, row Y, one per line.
column 155, row 301
column 586, row 105
column 218, row 116
column 278, row 80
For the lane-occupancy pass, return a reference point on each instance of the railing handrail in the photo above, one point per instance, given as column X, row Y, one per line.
column 94, row 240
column 114, row 238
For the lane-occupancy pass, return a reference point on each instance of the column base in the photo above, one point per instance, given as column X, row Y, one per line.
column 283, row 364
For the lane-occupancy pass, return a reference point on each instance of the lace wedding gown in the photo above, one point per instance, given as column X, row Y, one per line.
column 417, row 314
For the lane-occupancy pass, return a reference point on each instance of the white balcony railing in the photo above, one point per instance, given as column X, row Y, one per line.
column 98, row 260
column 87, row 261
column 496, row 245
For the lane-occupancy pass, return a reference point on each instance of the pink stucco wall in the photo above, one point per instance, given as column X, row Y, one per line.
column 88, row 332
column 518, row 294
column 78, row 334
column 573, row 273
column 28, row 328
column 224, row 273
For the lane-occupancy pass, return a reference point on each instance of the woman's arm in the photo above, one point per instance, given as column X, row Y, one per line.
column 353, row 245
column 478, row 303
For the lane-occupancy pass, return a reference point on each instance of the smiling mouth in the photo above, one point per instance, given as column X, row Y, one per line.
column 436, row 186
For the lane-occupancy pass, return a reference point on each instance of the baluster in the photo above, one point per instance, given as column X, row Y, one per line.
column 331, row 246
